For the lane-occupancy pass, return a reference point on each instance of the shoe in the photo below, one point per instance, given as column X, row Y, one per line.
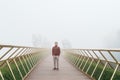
column 57, row 68
column 54, row 68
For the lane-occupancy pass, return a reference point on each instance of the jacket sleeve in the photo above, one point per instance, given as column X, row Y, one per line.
column 59, row 51
column 53, row 51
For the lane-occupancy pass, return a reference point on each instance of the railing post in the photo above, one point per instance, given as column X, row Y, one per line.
column 103, row 71
column 1, row 75
column 31, row 55
column 82, row 60
column 86, row 61
column 28, row 58
column 10, row 69
column 81, row 56
column 26, row 63
column 31, row 59
column 24, row 59
column 22, row 64
column 95, row 68
column 114, row 72
column 18, row 68
column 91, row 61
column 76, row 60
column 116, row 65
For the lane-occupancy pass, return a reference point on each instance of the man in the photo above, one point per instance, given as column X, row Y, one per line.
column 56, row 54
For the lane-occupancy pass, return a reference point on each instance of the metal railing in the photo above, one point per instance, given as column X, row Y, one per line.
column 99, row 64
column 16, row 62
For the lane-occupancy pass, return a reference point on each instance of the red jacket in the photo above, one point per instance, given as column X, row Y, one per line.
column 56, row 51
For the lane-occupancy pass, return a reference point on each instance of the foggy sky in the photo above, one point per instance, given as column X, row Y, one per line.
column 85, row 23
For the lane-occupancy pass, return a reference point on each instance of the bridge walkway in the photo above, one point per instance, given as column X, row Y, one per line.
column 44, row 71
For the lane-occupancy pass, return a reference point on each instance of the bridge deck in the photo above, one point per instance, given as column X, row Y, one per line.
column 44, row 71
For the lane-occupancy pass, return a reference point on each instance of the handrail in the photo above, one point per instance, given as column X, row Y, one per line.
column 17, row 46
column 115, row 49
column 17, row 61
column 92, row 61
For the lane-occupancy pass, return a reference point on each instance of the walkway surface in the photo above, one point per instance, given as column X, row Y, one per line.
column 44, row 71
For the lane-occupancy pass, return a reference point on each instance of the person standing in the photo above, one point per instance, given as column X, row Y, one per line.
column 56, row 54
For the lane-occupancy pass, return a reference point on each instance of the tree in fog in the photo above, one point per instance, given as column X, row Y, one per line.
column 40, row 41
column 66, row 44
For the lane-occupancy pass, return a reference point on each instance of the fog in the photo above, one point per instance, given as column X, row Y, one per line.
column 84, row 23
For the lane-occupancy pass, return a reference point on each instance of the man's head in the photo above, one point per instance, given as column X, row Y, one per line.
column 56, row 43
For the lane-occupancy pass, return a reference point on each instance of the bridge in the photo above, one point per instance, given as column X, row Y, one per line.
column 29, row 63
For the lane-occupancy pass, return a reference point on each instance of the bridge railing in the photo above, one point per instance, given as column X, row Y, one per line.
column 16, row 62
column 99, row 64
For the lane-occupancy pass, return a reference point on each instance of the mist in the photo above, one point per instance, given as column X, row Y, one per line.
column 85, row 24
column 113, row 40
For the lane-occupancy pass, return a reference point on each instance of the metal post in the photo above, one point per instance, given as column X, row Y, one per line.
column 31, row 59
column 91, row 61
column 81, row 57
column 10, row 69
column 86, row 61
column 27, row 58
column 95, row 68
column 18, row 68
column 22, row 64
column 103, row 71
column 26, row 63
column 79, row 60
column 31, row 55
column 82, row 60
column 76, row 60
column 1, row 75
column 114, row 72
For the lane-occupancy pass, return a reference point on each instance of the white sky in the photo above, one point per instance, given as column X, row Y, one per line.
column 85, row 23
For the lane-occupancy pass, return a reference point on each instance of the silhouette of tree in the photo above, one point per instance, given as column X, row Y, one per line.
column 40, row 41
column 66, row 44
